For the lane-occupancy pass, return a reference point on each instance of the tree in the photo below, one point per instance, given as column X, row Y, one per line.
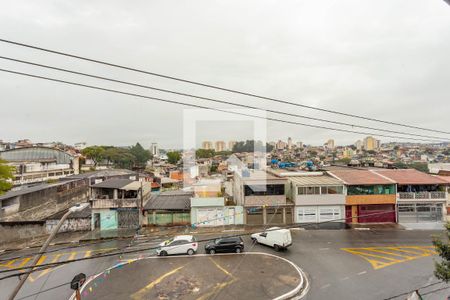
column 141, row 155
column 204, row 153
column 173, row 157
column 120, row 157
column 5, row 174
column 442, row 268
column 251, row 146
column 96, row 153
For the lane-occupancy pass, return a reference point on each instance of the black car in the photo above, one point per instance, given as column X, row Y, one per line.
column 226, row 244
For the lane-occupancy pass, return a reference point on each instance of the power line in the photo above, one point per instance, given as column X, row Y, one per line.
column 204, row 107
column 50, row 265
column 44, row 291
column 215, row 86
column 409, row 292
column 211, row 99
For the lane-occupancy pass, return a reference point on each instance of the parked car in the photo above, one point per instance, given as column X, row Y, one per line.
column 225, row 244
column 274, row 237
column 180, row 244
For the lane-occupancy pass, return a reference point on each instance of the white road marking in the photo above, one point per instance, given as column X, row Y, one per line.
column 363, row 272
column 326, row 286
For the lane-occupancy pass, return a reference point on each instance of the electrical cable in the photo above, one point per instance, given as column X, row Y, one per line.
column 50, row 265
column 212, row 99
column 200, row 106
column 214, row 86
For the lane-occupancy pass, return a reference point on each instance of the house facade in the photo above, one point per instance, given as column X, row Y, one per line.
column 117, row 203
column 170, row 208
column 318, row 199
column 370, row 197
column 263, row 197
column 420, row 196
column 209, row 207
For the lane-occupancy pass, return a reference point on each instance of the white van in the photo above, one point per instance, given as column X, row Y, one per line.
column 274, row 237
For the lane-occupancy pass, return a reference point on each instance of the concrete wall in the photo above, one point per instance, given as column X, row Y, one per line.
column 328, row 199
column 69, row 225
column 272, row 200
column 17, row 231
column 108, row 219
column 218, row 216
column 44, row 203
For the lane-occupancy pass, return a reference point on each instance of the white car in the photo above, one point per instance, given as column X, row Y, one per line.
column 180, row 244
column 274, row 237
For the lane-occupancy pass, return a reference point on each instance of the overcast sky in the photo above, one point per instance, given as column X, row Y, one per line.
column 388, row 59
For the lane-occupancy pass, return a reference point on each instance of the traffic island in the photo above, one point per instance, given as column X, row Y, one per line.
column 250, row 275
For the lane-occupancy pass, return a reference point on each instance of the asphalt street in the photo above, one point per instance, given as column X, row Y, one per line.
column 340, row 264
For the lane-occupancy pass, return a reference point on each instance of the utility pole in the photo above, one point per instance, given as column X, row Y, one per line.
column 44, row 247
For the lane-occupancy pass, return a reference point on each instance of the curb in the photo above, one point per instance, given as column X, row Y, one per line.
column 302, row 287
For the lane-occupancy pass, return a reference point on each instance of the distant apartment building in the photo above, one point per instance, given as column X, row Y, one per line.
column 154, row 149
column 359, row 145
column 231, row 145
column 289, row 143
column 329, row 144
column 219, row 146
column 370, row 143
column 39, row 164
column 280, row 145
column 207, row 145
column 80, row 146
column 299, row 144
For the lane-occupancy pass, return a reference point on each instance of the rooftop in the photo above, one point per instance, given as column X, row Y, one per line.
column 315, row 180
column 410, row 176
column 172, row 200
column 114, row 183
column 360, row 177
column 32, row 189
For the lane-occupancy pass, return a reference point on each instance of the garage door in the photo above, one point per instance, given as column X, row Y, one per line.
column 306, row 214
column 329, row 213
column 128, row 218
column 381, row 213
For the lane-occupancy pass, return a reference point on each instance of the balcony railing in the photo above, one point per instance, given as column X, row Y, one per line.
column 422, row 195
column 114, row 203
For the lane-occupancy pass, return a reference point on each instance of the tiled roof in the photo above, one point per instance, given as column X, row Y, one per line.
column 445, row 178
column 410, row 176
column 360, row 177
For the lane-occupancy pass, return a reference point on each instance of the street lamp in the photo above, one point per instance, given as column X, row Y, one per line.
column 44, row 247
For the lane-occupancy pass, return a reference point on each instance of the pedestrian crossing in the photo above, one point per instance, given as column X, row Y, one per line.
column 381, row 257
column 49, row 258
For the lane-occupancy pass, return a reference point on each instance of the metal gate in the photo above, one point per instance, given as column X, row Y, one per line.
column 419, row 212
column 128, row 218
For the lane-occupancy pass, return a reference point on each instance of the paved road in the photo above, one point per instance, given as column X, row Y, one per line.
column 341, row 264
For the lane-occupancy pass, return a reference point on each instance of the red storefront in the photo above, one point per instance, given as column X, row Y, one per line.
column 373, row 213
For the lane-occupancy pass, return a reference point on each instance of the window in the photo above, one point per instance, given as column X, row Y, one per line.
column 264, row 190
column 370, row 190
column 316, row 190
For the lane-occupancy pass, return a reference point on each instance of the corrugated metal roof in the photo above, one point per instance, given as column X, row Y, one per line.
column 32, row 189
column 114, row 183
column 172, row 200
column 315, row 180
column 83, row 214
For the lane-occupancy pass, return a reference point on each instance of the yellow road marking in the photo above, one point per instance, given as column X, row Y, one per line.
column 371, row 255
column 139, row 294
column 24, row 262
column 43, row 272
column 220, row 267
column 72, row 255
column 380, row 261
column 88, row 253
column 9, row 264
column 388, row 253
column 216, row 289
